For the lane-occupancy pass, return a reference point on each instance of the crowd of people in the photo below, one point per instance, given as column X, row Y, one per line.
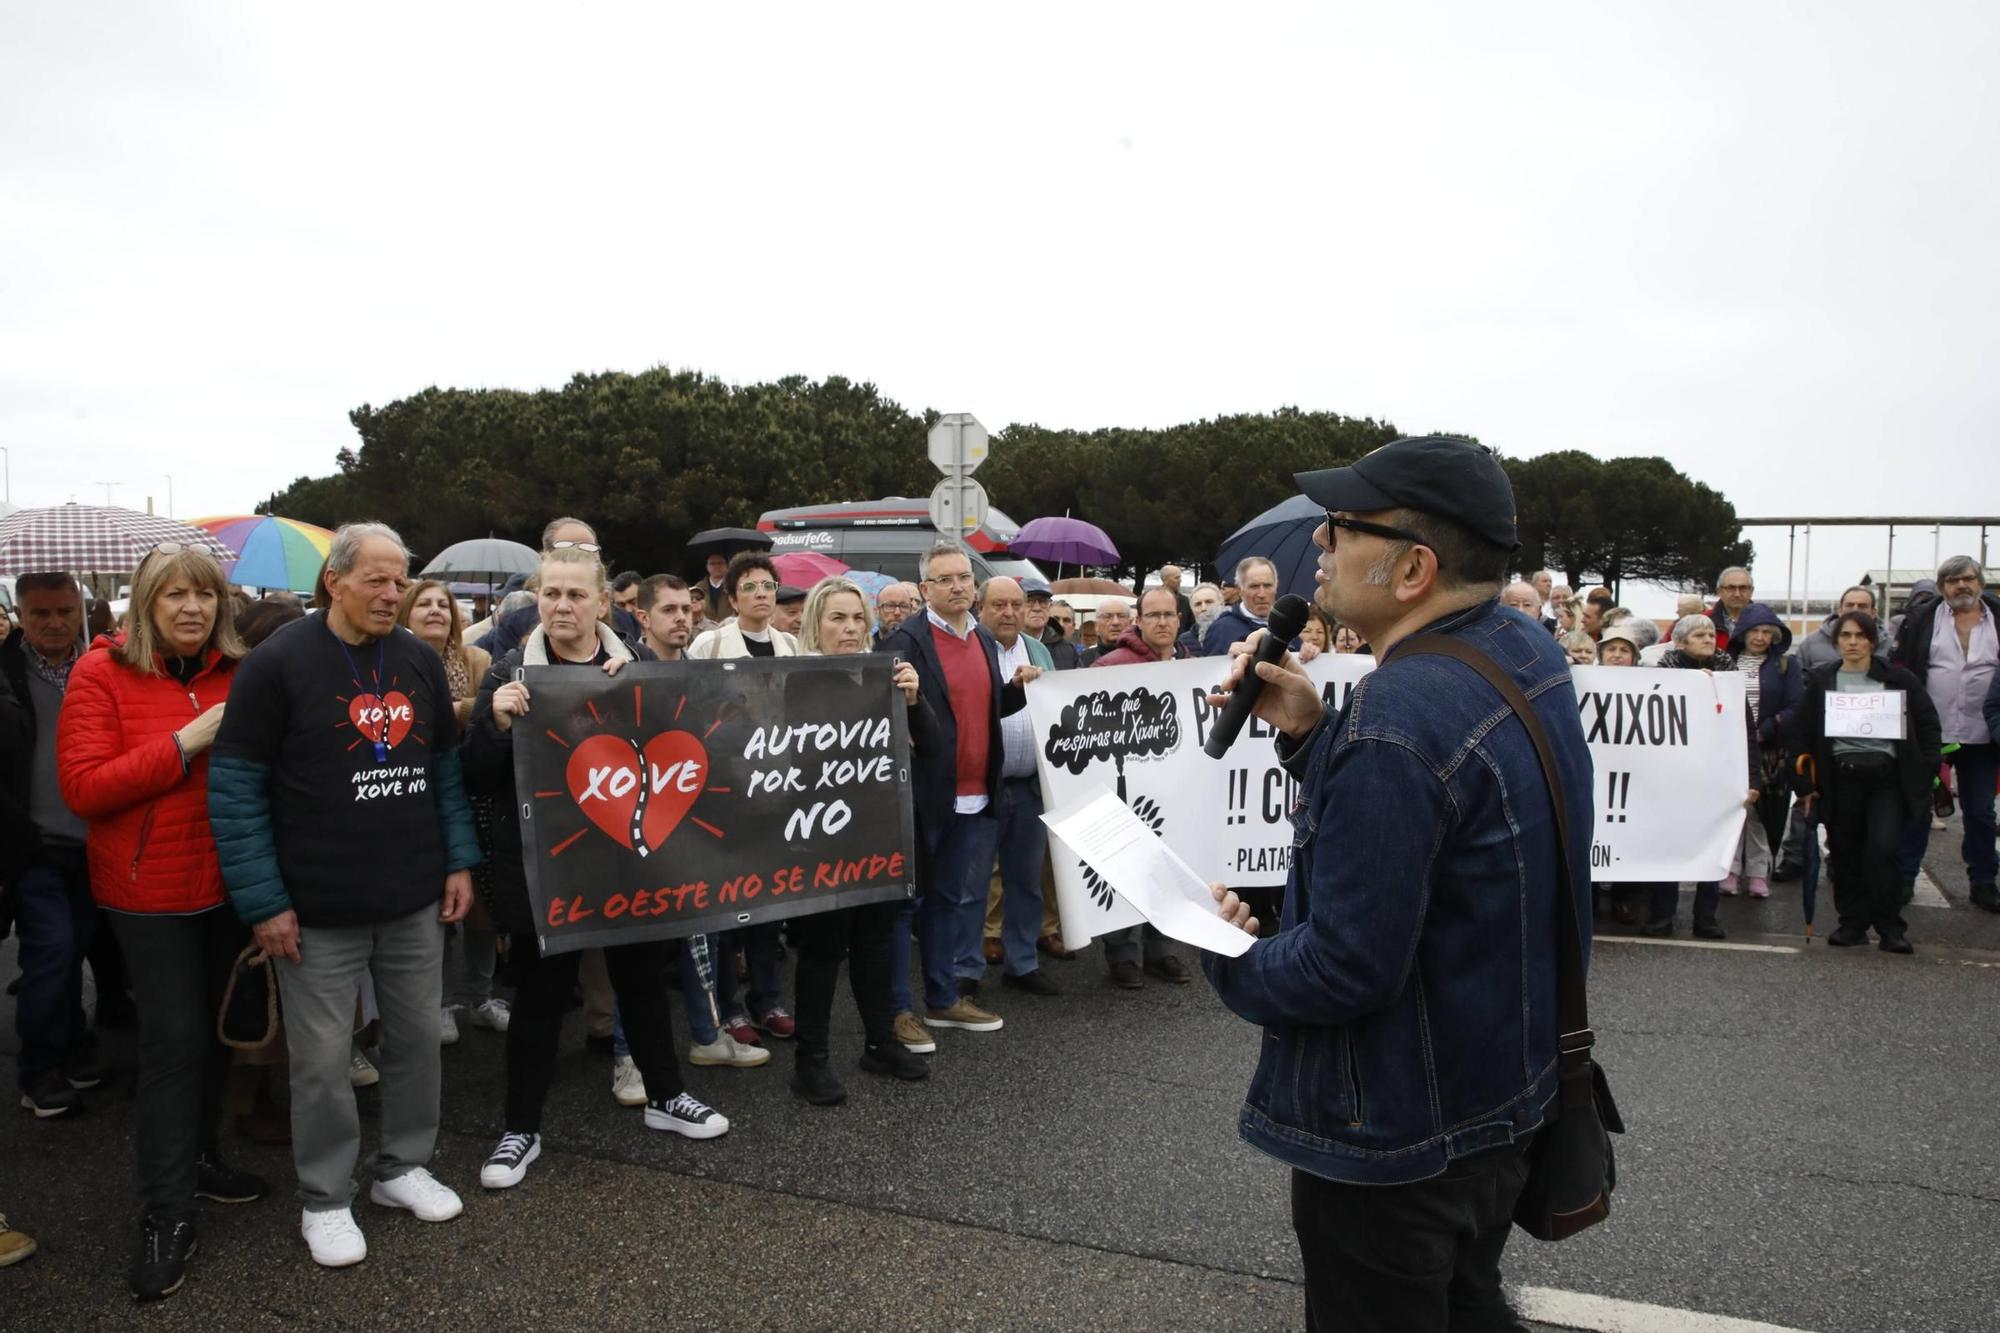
column 330, row 788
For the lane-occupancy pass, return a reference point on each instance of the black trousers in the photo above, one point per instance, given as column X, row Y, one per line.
column 179, row 968
column 1419, row 1258
column 861, row 935
column 542, row 989
column 1864, row 828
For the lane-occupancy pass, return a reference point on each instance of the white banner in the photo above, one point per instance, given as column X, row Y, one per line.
column 1668, row 747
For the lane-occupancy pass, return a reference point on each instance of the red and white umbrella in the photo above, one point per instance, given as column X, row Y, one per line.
column 92, row 539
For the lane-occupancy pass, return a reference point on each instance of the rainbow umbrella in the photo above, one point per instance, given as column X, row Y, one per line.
column 274, row 552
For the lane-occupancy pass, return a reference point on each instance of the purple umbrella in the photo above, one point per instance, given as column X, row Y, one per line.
column 1069, row 541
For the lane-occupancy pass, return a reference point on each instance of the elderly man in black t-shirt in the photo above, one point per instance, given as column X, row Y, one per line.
column 341, row 822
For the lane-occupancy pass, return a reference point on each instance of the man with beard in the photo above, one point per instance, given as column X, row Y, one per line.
column 1393, row 1001
column 1951, row 645
column 666, row 616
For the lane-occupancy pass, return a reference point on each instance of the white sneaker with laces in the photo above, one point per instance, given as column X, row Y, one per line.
column 333, row 1238
column 447, row 1027
column 726, row 1050
column 687, row 1116
column 361, row 1073
column 492, row 1013
column 421, row 1193
column 628, row 1086
column 508, row 1165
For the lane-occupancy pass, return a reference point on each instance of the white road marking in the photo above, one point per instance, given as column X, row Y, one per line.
column 1698, row 944
column 1602, row 1314
column 1927, row 894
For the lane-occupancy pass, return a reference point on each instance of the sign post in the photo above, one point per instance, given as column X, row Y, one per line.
column 958, row 444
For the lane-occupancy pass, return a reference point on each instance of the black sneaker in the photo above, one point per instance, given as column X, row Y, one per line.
column 1658, row 930
column 508, row 1166
column 164, row 1248
column 49, row 1094
column 1848, row 937
column 85, row 1066
column 895, row 1060
column 1032, row 982
column 1897, row 943
column 1709, row 930
column 218, row 1182
column 687, row 1116
column 1986, row 897
column 815, row 1081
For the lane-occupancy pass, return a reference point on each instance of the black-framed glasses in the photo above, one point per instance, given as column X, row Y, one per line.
column 1334, row 523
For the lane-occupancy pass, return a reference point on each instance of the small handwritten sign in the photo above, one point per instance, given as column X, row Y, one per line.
column 1876, row 716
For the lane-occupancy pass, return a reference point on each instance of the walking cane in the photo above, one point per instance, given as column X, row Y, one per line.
column 704, row 969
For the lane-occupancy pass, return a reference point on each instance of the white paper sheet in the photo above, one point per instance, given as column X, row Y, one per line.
column 1877, row 715
column 1144, row 871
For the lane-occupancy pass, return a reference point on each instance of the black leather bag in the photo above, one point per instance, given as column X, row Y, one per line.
column 248, row 1018
column 1571, row 1167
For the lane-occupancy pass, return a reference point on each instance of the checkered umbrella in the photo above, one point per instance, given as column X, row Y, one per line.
column 91, row 539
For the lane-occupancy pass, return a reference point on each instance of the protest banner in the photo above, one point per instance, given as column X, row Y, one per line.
column 678, row 798
column 1669, row 750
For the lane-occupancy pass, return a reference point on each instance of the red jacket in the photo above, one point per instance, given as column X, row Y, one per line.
column 1133, row 649
column 150, row 845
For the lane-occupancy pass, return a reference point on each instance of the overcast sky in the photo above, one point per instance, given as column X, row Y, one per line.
column 1757, row 239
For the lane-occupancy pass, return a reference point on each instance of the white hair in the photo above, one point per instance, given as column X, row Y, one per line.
column 344, row 551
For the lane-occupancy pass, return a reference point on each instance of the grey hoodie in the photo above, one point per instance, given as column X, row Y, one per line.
column 1816, row 649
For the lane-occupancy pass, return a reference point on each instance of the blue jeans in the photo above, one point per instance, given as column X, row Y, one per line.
column 900, row 935
column 1977, row 768
column 951, row 917
column 1023, row 837
column 54, row 915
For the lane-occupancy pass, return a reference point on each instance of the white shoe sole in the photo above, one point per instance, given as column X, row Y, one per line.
column 715, row 1128
column 918, row 1047
column 367, row 1080
column 636, row 1097
column 710, row 1062
column 43, row 1112
column 507, row 1178
column 377, row 1197
column 993, row 1026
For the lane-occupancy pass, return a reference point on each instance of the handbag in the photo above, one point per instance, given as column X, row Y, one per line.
column 1571, row 1167
column 248, row 1018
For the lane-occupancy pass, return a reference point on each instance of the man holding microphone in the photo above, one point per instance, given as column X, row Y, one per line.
column 1409, row 1005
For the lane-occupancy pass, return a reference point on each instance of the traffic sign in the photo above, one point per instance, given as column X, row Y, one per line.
column 958, row 444
column 958, row 507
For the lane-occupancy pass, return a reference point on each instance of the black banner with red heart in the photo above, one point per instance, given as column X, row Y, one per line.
column 678, row 798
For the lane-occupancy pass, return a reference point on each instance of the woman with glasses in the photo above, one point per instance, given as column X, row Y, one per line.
column 138, row 718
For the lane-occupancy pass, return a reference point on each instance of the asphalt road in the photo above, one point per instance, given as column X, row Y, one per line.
column 1811, row 1145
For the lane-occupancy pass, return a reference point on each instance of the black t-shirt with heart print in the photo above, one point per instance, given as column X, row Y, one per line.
column 348, row 736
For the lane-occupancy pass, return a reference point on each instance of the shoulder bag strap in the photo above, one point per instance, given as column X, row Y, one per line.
column 1572, row 1009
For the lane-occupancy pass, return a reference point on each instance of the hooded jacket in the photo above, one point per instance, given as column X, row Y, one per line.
column 1780, row 682
column 1818, row 648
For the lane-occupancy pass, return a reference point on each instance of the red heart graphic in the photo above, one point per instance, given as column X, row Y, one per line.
column 637, row 807
column 365, row 712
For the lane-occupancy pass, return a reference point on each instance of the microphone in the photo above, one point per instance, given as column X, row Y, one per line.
column 1288, row 617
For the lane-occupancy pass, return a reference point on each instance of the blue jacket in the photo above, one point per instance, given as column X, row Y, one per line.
column 1233, row 626
column 1781, row 683
column 1408, row 1006
column 935, row 767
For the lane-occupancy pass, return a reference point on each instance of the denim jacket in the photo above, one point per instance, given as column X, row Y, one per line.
column 1408, row 1006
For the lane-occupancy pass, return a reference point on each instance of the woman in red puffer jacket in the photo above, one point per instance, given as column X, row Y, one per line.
column 131, row 755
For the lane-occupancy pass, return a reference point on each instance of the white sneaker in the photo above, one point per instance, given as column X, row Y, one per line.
column 492, row 1013
column 360, row 1073
column 333, row 1238
column 508, row 1166
column 687, row 1116
column 420, row 1192
column 726, row 1050
column 447, row 1027
column 628, row 1086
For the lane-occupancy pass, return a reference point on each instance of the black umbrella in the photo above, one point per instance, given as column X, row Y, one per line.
column 1283, row 535
column 727, row 541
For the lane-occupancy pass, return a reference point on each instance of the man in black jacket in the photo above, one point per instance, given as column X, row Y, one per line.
column 958, row 670
column 510, row 629
column 47, row 875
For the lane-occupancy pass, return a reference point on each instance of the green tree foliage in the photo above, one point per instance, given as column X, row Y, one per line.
column 1606, row 520
column 650, row 459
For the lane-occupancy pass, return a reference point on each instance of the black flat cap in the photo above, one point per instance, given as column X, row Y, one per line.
column 787, row 594
column 1445, row 475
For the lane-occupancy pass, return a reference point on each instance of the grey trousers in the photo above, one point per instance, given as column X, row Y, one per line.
column 1123, row 946
column 405, row 957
